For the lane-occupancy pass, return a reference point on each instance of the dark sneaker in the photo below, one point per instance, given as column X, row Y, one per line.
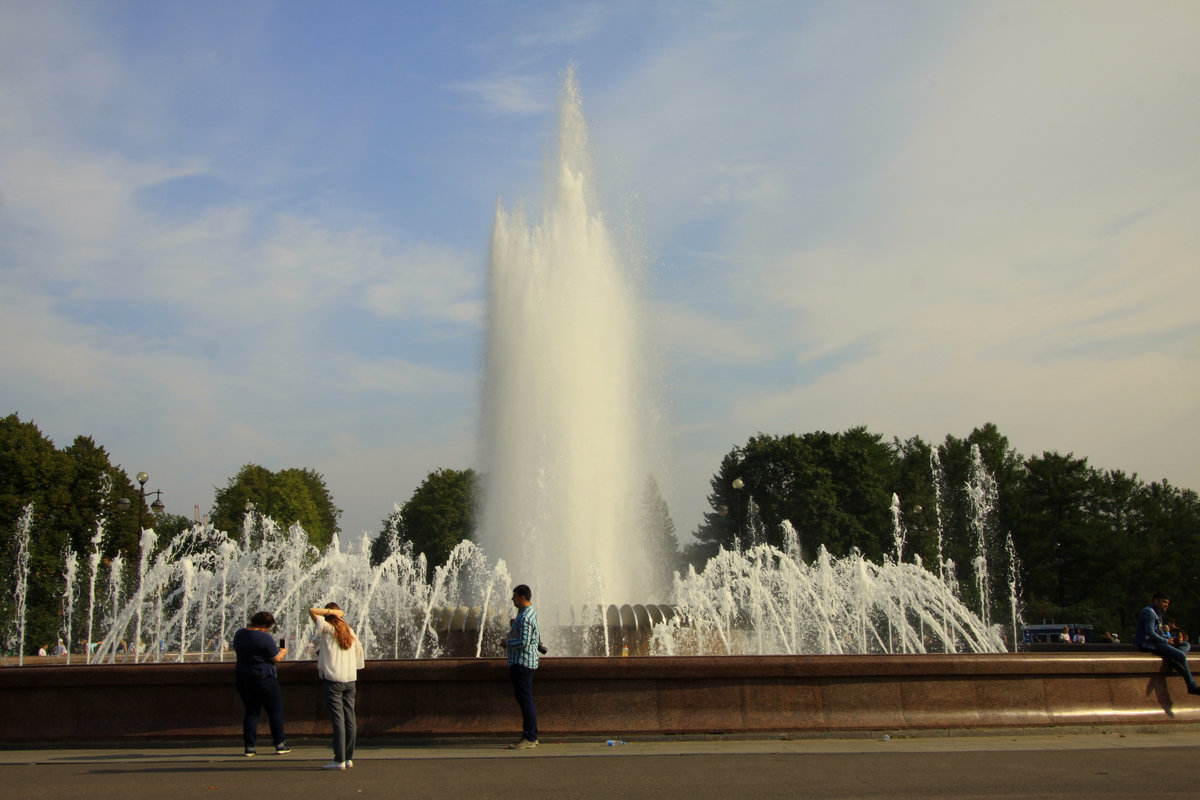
column 282, row 748
column 249, row 752
column 1194, row 690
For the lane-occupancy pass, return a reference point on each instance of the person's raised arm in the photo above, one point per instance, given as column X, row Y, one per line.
column 325, row 612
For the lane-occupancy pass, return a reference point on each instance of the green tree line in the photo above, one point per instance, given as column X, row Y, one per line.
column 74, row 489
column 1091, row 543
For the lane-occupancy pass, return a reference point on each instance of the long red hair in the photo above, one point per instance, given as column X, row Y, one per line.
column 341, row 628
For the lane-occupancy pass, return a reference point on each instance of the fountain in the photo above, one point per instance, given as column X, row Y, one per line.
column 759, row 641
column 563, row 426
column 564, row 406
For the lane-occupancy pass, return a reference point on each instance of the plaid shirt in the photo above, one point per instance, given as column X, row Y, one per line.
column 523, row 638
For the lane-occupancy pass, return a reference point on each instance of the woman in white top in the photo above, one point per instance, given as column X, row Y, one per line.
column 339, row 657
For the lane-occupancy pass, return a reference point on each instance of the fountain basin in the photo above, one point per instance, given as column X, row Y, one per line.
column 416, row 699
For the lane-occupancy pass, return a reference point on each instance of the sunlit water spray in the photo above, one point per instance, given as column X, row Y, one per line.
column 563, row 403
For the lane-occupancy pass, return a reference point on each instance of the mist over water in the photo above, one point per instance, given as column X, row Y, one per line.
column 563, row 411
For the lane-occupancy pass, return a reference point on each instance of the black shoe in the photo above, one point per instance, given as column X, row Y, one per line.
column 1194, row 690
column 282, row 748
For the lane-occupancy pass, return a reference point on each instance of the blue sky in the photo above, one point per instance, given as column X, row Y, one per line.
column 258, row 231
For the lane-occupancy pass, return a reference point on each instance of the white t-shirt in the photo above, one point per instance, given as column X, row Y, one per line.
column 334, row 663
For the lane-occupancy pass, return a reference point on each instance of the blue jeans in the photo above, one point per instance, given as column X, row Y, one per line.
column 339, row 698
column 1176, row 657
column 258, row 693
column 522, row 681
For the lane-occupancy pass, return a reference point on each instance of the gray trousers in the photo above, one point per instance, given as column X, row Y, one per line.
column 339, row 698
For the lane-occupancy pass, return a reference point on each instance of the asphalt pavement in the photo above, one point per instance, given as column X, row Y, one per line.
column 1131, row 764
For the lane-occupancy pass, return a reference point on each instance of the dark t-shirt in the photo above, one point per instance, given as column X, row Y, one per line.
column 256, row 651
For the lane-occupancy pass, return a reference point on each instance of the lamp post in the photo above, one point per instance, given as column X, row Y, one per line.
column 157, row 505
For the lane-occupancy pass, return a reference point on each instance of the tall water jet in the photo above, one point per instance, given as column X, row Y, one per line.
column 24, row 523
column 981, row 492
column 562, row 396
column 94, row 564
column 1014, row 583
column 71, row 565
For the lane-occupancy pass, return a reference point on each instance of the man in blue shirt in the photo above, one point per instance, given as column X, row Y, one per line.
column 522, row 646
column 1149, row 637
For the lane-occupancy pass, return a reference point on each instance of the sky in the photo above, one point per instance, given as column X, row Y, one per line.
column 258, row 231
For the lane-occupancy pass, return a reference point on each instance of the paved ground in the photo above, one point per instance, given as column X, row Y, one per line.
column 1066, row 765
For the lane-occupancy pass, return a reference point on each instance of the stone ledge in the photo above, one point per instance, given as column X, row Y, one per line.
column 659, row 696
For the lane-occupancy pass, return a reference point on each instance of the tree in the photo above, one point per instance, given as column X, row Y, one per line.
column 1165, row 522
column 388, row 540
column 914, row 485
column 833, row 488
column 1053, row 532
column 440, row 514
column 1007, row 469
column 168, row 527
column 662, row 544
column 308, row 486
column 72, row 491
column 95, row 487
column 33, row 471
column 288, row 496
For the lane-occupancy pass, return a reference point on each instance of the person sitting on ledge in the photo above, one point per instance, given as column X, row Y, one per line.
column 1149, row 637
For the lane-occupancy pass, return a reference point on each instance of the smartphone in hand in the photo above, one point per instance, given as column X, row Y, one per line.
column 282, row 644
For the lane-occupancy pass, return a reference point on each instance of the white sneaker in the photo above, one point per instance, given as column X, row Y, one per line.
column 349, row 763
column 523, row 744
column 335, row 765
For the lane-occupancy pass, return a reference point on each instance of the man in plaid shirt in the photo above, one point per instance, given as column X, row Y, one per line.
column 522, row 645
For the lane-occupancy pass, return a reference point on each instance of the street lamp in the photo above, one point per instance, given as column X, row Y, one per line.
column 157, row 505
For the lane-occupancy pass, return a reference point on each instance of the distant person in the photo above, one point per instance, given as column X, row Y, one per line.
column 522, row 644
column 1177, row 636
column 60, row 649
column 1065, row 635
column 43, row 650
column 1150, row 637
column 257, row 680
column 339, row 658
column 1080, row 637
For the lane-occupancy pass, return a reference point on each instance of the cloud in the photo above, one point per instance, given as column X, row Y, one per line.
column 559, row 25
column 427, row 280
column 693, row 334
column 989, row 217
column 400, row 378
column 918, row 218
column 190, row 340
column 507, row 94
